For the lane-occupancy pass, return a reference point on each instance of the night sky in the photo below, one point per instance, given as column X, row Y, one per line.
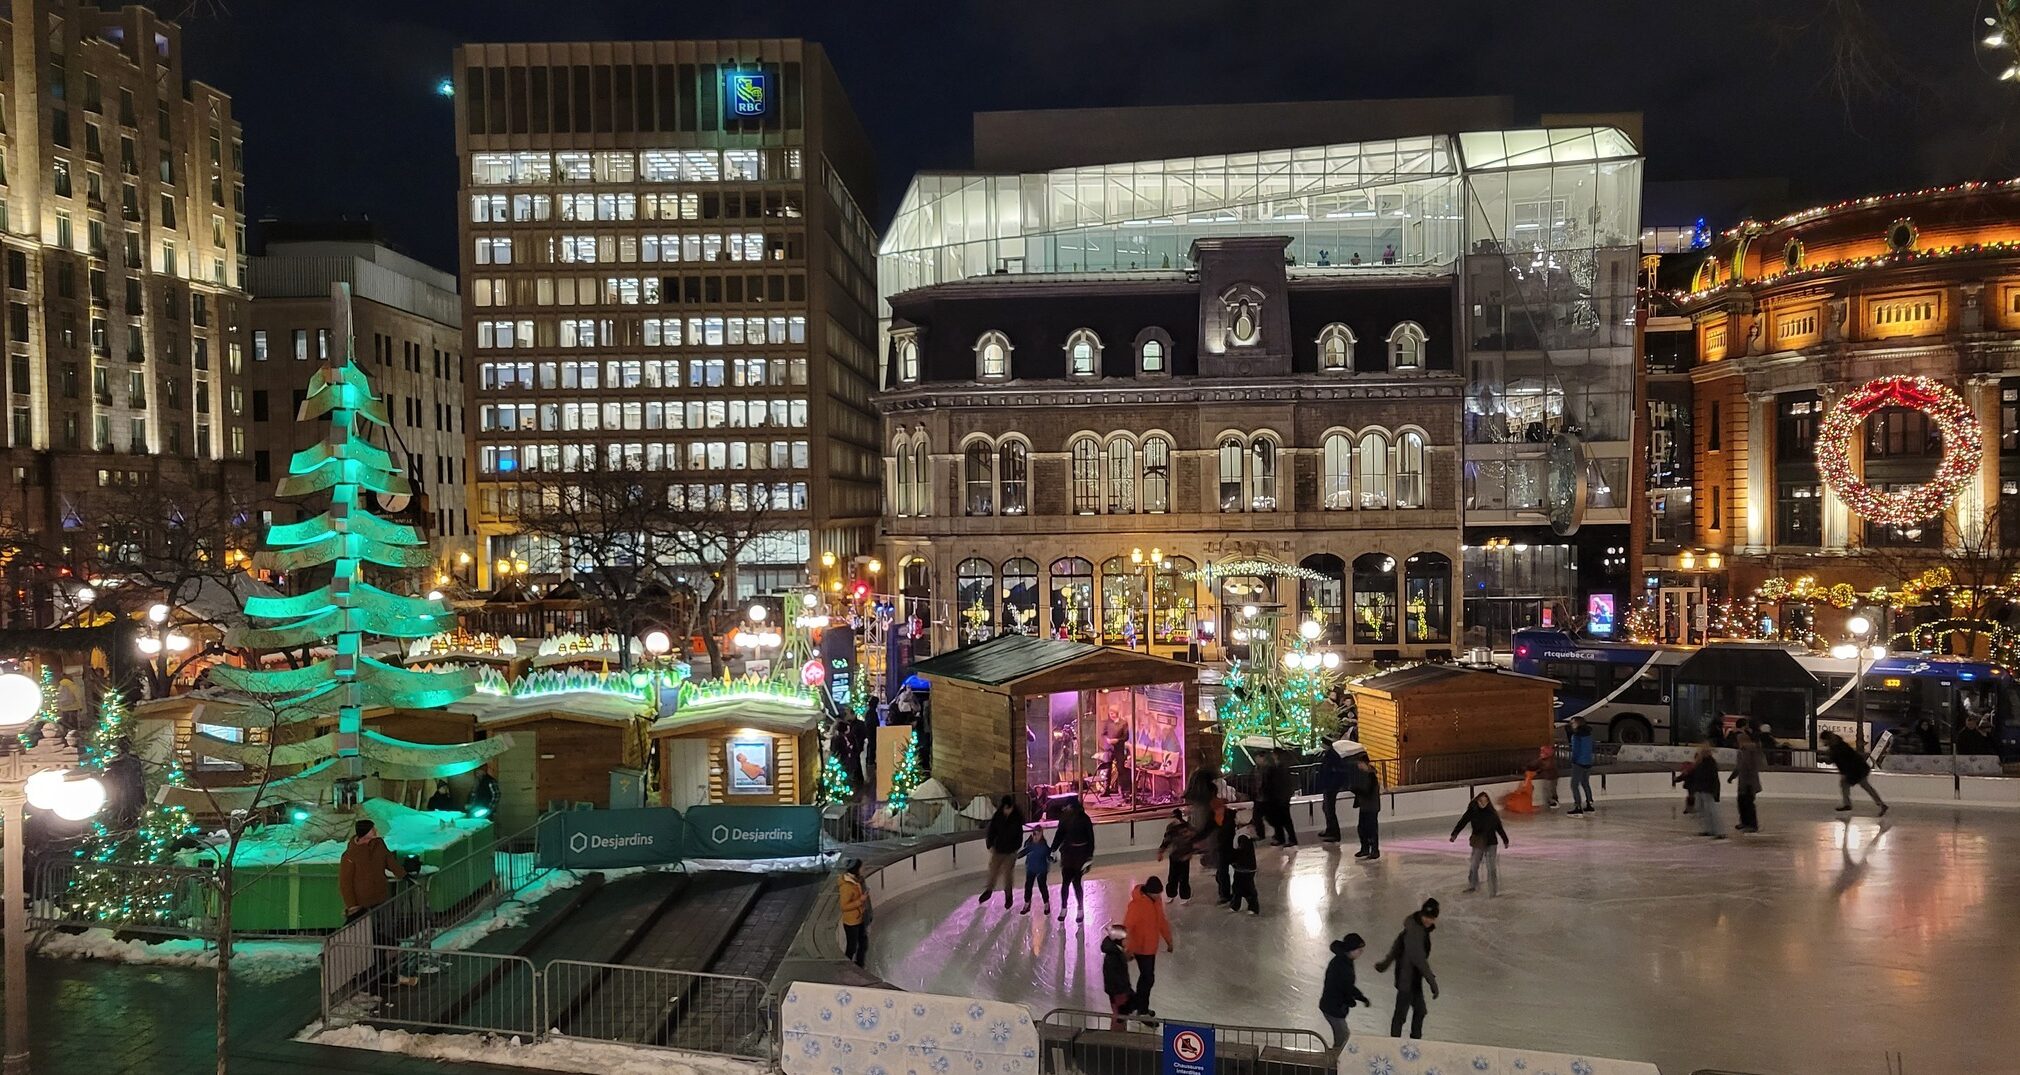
column 1840, row 97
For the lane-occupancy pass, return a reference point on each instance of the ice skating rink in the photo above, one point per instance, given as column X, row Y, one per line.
column 1814, row 948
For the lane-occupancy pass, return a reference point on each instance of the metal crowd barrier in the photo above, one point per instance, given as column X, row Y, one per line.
column 726, row 1015
column 426, row 989
column 131, row 897
column 867, row 821
column 1077, row 1042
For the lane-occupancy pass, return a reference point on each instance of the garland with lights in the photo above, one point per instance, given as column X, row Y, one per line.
column 1962, row 446
column 1262, row 569
column 2002, row 642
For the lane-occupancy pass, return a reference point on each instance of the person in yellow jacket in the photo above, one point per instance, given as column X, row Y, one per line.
column 855, row 904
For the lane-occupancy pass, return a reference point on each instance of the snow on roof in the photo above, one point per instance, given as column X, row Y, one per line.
column 601, row 707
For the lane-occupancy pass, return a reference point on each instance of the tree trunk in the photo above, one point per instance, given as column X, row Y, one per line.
column 711, row 639
column 224, row 890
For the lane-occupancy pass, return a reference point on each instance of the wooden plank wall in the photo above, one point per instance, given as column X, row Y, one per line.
column 575, row 760
column 1379, row 726
column 974, row 749
column 1471, row 715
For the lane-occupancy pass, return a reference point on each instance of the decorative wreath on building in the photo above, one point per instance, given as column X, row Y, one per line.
column 1962, row 446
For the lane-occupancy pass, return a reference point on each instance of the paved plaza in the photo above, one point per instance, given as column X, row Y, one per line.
column 1816, row 947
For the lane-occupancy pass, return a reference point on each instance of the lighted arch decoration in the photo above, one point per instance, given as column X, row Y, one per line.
column 1962, row 446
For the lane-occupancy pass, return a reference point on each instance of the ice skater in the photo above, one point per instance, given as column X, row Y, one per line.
column 1367, row 789
column 855, row 908
column 1005, row 826
column 1144, row 924
column 1241, row 863
column 1178, row 843
column 1702, row 784
column 1545, row 768
column 1580, row 738
column 1745, row 779
column 1853, row 771
column 1220, row 847
column 1340, row 994
column 1410, row 954
column 1075, row 844
column 1336, row 774
column 1481, row 817
column 1274, row 792
column 1037, row 866
column 1115, row 973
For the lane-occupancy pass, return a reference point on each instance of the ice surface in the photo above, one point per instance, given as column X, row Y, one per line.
column 1815, row 947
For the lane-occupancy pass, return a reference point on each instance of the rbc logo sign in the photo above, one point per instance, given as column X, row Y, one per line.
column 748, row 93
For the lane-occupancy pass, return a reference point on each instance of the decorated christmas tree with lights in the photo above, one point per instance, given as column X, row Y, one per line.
column 908, row 776
column 1283, row 697
column 337, row 618
column 114, row 894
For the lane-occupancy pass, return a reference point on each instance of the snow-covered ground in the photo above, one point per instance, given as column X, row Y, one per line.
column 599, row 1058
column 252, row 961
column 1818, row 945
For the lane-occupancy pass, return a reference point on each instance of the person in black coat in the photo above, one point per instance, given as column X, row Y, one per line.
column 1340, row 994
column 1853, row 770
column 1274, row 790
column 1971, row 739
column 1242, row 863
column 1335, row 775
column 1115, row 975
column 1703, row 785
column 1366, row 785
column 1074, row 842
column 1485, row 821
column 1005, row 840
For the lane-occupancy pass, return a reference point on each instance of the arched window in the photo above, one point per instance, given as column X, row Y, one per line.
column 922, row 477
column 1427, row 597
column 1072, row 598
column 978, row 477
column 1336, row 349
column 1083, row 354
column 1410, row 470
column 1327, row 598
column 1336, row 472
column 1156, row 474
column 975, row 591
column 1374, row 599
column 1371, row 478
column 1020, row 596
column 1153, row 352
column 1086, row 455
column 908, row 360
column 992, row 357
column 1121, row 477
column 1174, row 602
column 915, row 590
column 1262, row 474
column 1406, row 346
column 1152, row 356
column 1231, row 457
column 901, row 475
column 1122, row 601
column 1013, row 469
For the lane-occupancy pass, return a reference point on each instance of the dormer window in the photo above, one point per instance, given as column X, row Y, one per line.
column 1153, row 356
column 1406, row 347
column 1083, row 354
column 908, row 360
column 1153, row 353
column 1336, row 349
column 992, row 357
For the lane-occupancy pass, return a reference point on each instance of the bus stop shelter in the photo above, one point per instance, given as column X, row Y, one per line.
column 1726, row 683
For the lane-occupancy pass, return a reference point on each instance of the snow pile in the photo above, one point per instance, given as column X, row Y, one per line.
column 513, row 911
column 600, row 1058
column 251, row 961
column 406, row 831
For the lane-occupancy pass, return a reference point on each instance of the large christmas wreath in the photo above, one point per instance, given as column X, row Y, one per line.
column 1962, row 446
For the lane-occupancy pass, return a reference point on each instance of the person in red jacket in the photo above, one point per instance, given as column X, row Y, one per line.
column 1145, row 924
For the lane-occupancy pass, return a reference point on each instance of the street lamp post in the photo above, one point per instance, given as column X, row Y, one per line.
column 1861, row 630
column 35, row 776
column 161, row 641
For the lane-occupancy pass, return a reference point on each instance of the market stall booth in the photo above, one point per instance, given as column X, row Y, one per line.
column 1060, row 721
column 743, row 747
column 569, row 749
column 1436, row 722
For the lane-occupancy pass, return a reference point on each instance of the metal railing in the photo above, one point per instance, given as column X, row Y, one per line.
column 1096, row 1043
column 513, row 862
column 135, row 898
column 389, row 985
column 868, row 821
column 696, row 1012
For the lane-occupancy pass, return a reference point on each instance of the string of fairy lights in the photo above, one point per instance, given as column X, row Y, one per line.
column 1963, row 445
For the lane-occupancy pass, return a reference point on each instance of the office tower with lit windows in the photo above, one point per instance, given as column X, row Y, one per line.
column 121, row 204
column 668, row 268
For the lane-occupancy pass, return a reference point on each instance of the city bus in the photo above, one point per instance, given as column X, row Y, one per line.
column 1621, row 688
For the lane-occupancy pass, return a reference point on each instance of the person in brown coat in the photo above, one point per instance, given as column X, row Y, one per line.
column 361, row 881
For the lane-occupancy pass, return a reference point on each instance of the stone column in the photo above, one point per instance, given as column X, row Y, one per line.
column 1974, row 505
column 1760, row 412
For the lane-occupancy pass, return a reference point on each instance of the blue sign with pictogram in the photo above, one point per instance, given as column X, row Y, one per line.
column 747, row 93
column 1188, row 1050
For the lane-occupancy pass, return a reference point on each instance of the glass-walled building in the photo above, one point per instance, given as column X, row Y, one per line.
column 1538, row 229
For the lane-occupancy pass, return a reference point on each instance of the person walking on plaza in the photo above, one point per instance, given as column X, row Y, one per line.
column 1336, row 772
column 1002, row 838
column 855, row 907
column 1410, row 954
column 1144, row 924
column 1274, row 789
column 1853, row 771
column 1339, row 993
column 362, row 884
column 1367, row 789
column 1178, row 843
column 1702, row 784
column 1241, row 863
column 1075, row 844
column 1580, row 737
column 1481, row 817
column 1115, row 974
column 1037, row 864
column 1745, row 779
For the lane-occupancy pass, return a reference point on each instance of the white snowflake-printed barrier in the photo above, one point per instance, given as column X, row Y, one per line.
column 1367, row 1055
column 850, row 1030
